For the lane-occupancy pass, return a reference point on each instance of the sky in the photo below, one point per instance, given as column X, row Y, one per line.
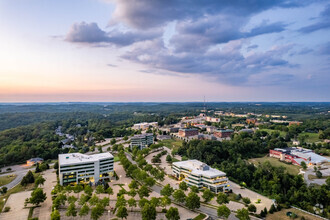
column 159, row 51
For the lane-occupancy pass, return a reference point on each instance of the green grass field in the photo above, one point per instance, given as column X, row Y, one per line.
column 282, row 215
column 201, row 216
column 292, row 169
column 311, row 137
column 270, row 131
column 171, row 143
column 7, row 179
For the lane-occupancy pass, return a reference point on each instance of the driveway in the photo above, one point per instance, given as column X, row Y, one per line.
column 44, row 211
column 16, row 204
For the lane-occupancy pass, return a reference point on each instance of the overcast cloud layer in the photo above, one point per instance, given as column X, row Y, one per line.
column 215, row 39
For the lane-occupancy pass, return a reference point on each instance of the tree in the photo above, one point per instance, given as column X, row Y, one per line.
column 223, row 211
column 272, row 209
column 94, row 200
column 97, row 211
column 150, row 181
column 183, row 186
column 246, row 200
column 172, row 214
column 148, row 212
column 55, row 215
column 37, row 170
column 122, row 212
column 318, row 174
column 84, row 210
column 133, row 185
column 207, row 195
column 99, row 189
column 4, row 190
column 72, row 199
column 167, row 190
column 113, row 141
column 169, row 158
column 56, row 165
column 179, row 196
column 109, row 191
column 192, row 201
column 143, row 192
column 83, row 199
column 37, row 196
column 121, row 201
column 243, row 214
column 131, row 202
column 194, row 189
column 88, row 190
column 155, row 201
column 252, row 208
column 222, row 198
column 142, row 202
column 105, row 201
column 165, row 201
column 303, row 165
column 71, row 210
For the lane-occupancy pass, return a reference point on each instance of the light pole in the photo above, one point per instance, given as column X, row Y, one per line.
column 119, row 179
column 109, row 214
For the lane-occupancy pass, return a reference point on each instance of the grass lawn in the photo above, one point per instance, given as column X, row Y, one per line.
column 292, row 169
column 16, row 189
column 311, row 137
column 201, row 216
column 7, row 179
column 270, row 131
column 116, row 158
column 282, row 215
column 313, row 177
column 171, row 143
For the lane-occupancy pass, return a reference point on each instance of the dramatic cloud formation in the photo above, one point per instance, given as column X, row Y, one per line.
column 323, row 22
column 92, row 34
column 211, row 38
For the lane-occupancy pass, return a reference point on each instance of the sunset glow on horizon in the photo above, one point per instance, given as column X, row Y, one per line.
column 112, row 51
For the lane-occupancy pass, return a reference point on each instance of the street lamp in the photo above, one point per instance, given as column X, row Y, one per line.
column 109, row 214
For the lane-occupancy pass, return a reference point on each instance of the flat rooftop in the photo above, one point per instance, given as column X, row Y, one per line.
column 77, row 158
column 199, row 168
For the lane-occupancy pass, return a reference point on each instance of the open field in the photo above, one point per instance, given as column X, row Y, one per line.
column 4, row 180
column 311, row 137
column 270, row 131
column 282, row 215
column 292, row 169
column 171, row 143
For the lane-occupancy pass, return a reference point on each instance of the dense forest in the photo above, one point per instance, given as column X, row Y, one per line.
column 274, row 182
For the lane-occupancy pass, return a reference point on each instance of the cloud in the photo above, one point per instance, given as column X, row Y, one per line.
column 147, row 13
column 92, row 34
column 323, row 23
column 325, row 49
column 226, row 63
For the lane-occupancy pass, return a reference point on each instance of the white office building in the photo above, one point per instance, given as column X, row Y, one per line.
column 196, row 173
column 80, row 168
column 142, row 140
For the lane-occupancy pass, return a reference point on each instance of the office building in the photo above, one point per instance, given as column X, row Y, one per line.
column 186, row 132
column 196, row 173
column 223, row 133
column 79, row 168
column 142, row 140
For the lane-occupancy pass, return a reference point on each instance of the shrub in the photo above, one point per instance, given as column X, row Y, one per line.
column 7, row 208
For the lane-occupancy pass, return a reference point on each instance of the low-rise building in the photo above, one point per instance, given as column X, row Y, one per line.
column 144, row 125
column 211, row 119
column 163, row 137
column 295, row 123
column 187, row 132
column 251, row 120
column 223, row 133
column 196, row 173
column 142, row 140
column 77, row 168
column 296, row 155
column 210, row 129
column 35, row 160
